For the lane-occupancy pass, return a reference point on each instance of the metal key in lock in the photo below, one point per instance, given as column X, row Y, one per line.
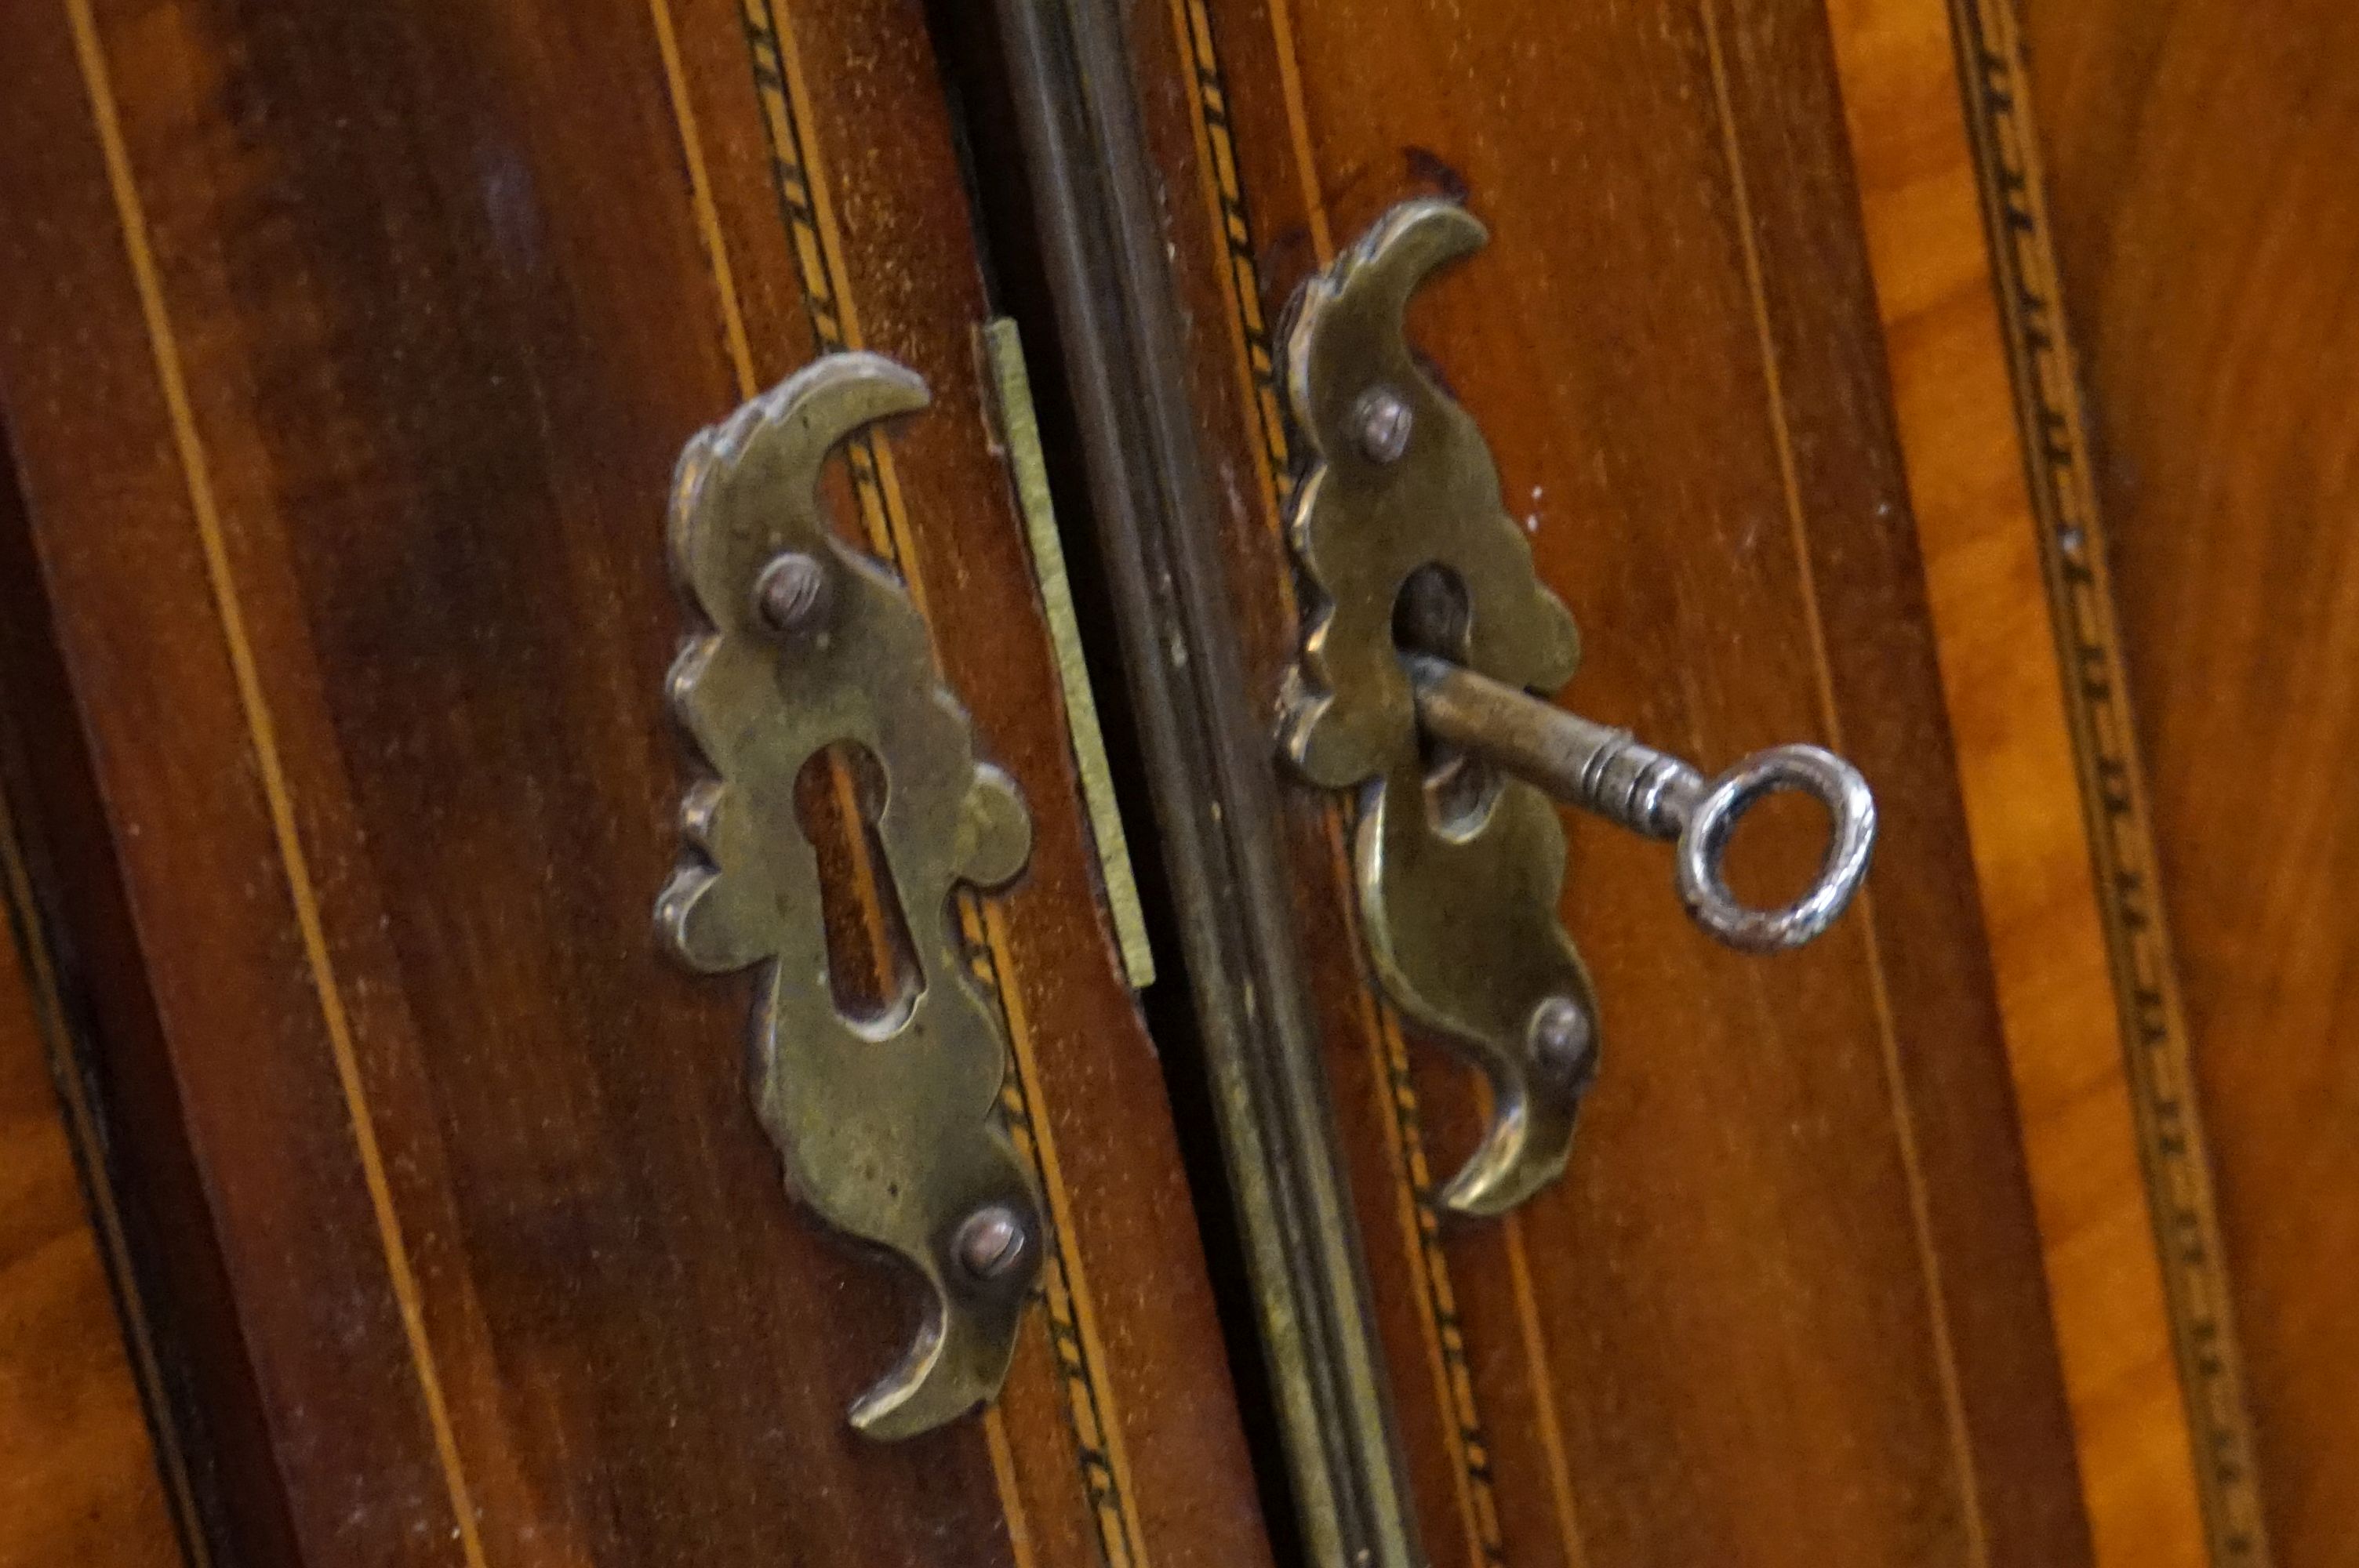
column 1612, row 772
column 1428, row 624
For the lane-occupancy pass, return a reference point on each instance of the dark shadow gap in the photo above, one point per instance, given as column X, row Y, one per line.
column 970, row 55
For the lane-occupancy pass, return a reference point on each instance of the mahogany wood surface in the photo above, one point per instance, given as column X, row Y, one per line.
column 119, row 1109
column 1787, row 1305
column 347, row 355
column 347, row 349
column 2200, row 172
column 79, row 1479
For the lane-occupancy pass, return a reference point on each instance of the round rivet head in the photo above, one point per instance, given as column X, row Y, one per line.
column 1384, row 422
column 991, row 1241
column 1564, row 1041
column 792, row 592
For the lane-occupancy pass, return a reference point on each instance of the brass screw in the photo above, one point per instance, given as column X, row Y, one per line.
column 991, row 1241
column 1563, row 1039
column 1385, row 422
column 792, row 592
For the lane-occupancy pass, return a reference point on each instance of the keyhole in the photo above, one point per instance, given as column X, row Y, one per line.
column 873, row 972
column 1431, row 615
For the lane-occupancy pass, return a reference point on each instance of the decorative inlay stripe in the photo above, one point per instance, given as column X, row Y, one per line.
column 2156, row 1048
column 1903, row 1128
column 1469, row 1441
column 1063, row 1292
column 262, row 735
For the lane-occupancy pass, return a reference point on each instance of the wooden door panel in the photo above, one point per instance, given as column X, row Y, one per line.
column 348, row 358
column 2205, row 233
column 347, row 349
column 2001, row 460
column 1788, row 1305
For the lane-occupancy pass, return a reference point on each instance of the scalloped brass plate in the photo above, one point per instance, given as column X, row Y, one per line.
column 890, row 1127
column 1458, row 900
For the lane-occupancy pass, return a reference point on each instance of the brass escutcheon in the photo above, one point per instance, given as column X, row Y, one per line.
column 889, row 1127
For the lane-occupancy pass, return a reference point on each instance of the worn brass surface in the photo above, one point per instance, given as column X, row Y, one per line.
column 888, row 1127
column 1458, row 898
column 1019, row 431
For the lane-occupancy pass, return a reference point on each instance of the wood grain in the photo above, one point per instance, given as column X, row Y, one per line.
column 79, row 1477
column 1788, row 1305
column 2208, row 230
column 1961, row 436
column 348, row 362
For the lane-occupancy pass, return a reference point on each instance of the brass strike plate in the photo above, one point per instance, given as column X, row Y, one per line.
column 889, row 1127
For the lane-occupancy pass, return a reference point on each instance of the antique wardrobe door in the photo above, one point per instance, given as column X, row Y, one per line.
column 346, row 350
column 1786, row 1303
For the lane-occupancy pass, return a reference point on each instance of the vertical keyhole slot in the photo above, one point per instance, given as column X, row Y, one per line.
column 872, row 971
column 1431, row 615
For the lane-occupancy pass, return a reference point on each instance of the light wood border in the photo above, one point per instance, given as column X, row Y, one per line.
column 1994, row 437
